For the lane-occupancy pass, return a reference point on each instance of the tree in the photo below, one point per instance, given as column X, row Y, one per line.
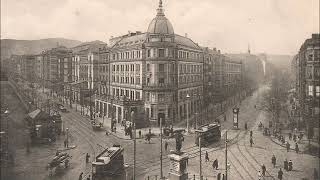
column 274, row 100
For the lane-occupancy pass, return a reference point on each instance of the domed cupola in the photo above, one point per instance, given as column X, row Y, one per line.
column 160, row 24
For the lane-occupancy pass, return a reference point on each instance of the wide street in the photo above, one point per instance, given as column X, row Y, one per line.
column 245, row 161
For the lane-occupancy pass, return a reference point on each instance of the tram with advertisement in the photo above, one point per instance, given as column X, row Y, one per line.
column 108, row 163
column 209, row 133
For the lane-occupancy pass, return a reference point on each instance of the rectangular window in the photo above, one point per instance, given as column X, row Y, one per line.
column 148, row 53
column 161, row 97
column 161, row 67
column 131, row 80
column 317, row 91
column 161, row 52
column 161, row 80
column 147, row 96
column 137, row 95
column 137, row 80
column 310, row 90
column 148, row 67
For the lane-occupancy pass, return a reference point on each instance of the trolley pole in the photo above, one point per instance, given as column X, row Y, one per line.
column 226, row 155
column 134, row 145
column 161, row 173
column 200, row 157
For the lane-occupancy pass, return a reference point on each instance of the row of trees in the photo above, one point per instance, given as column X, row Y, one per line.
column 274, row 100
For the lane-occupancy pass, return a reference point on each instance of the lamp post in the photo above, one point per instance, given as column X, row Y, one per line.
column 188, row 96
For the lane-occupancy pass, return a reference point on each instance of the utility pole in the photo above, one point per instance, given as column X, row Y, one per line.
column 161, row 173
column 226, row 155
column 134, row 144
column 200, row 156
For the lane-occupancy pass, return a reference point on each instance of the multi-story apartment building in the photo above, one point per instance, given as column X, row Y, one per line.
column 307, row 71
column 57, row 68
column 157, row 69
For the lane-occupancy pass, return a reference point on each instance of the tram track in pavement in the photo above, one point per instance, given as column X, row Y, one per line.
column 156, row 165
column 83, row 137
column 239, row 160
column 255, row 160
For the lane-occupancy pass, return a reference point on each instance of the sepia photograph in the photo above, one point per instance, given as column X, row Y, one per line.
column 160, row 90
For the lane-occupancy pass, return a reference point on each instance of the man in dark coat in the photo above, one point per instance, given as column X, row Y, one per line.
column 280, row 173
column 263, row 167
column 219, row 176
column 285, row 164
column 288, row 146
column 273, row 160
column 245, row 126
column 251, row 133
column 166, row 146
column 207, row 156
column 251, row 142
column 290, row 165
column 297, row 148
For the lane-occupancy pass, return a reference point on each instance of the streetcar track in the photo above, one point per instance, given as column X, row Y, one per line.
column 195, row 154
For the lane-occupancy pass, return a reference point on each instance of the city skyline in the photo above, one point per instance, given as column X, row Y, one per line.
column 255, row 22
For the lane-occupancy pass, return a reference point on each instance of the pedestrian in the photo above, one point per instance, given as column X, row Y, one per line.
column 290, row 165
column 65, row 143
column 273, row 160
column 259, row 175
column 280, row 173
column 80, row 176
column 88, row 178
column 297, row 148
column 87, row 157
column 315, row 174
column 251, row 133
column 290, row 136
column 245, row 126
column 166, row 146
column 288, row 146
column 215, row 164
column 294, row 137
column 283, row 140
column 139, row 133
column 251, row 142
column 285, row 164
column 107, row 133
column 207, row 156
column 219, row 176
column 223, row 178
column 263, row 167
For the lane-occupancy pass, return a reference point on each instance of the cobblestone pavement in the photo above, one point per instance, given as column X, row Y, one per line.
column 246, row 161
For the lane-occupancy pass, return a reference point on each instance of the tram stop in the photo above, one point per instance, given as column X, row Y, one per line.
column 178, row 166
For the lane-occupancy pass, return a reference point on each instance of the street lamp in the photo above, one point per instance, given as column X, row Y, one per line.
column 188, row 96
column 67, row 131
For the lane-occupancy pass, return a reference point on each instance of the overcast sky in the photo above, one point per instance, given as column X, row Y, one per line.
column 271, row 26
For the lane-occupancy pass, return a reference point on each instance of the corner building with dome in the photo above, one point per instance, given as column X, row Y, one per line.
column 158, row 72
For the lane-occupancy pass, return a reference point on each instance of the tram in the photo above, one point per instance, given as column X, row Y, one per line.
column 108, row 163
column 209, row 133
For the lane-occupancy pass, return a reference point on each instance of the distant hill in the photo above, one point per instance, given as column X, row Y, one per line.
column 12, row 46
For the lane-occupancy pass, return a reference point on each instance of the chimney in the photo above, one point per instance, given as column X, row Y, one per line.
column 219, row 52
column 186, row 35
column 129, row 33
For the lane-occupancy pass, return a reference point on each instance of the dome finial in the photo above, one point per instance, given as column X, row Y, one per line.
column 160, row 9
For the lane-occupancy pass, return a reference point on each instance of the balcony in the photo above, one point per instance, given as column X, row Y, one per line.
column 122, row 100
column 161, row 86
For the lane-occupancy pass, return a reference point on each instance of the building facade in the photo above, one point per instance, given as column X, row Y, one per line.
column 307, row 76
